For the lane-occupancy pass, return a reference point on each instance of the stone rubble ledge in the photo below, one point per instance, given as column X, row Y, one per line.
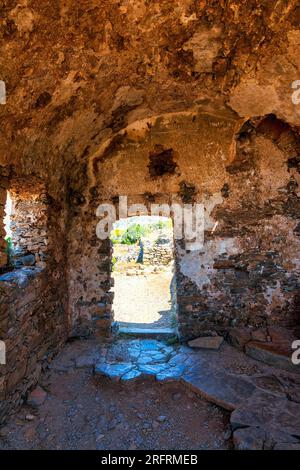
column 20, row 277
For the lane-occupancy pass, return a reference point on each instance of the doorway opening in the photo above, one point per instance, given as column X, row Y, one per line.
column 6, row 259
column 7, row 218
column 144, row 275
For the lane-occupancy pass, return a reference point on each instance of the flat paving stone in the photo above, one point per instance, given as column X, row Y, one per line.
column 150, row 345
column 131, row 375
column 265, row 414
column 152, row 358
column 134, row 353
column 218, row 387
column 170, row 374
column 113, row 371
column 151, row 369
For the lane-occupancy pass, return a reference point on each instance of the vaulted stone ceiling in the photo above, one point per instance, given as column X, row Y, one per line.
column 77, row 71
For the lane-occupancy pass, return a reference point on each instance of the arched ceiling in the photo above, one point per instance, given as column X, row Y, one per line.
column 78, row 71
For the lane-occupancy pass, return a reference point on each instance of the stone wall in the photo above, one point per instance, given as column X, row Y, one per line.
column 153, row 112
column 156, row 254
column 126, row 253
column 3, row 195
column 249, row 270
column 89, row 259
column 247, row 179
column 29, row 220
column 32, row 325
column 33, row 321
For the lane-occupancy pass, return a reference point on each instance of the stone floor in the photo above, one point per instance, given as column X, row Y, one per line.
column 129, row 378
column 265, row 401
column 74, row 409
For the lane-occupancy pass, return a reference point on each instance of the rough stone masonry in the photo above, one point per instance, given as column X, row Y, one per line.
column 162, row 101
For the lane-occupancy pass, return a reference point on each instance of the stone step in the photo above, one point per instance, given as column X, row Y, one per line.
column 270, row 354
column 156, row 333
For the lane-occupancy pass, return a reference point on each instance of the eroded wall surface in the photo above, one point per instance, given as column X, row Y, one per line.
column 248, row 273
column 245, row 176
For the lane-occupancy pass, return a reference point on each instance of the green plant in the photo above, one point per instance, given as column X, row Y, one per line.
column 163, row 224
column 160, row 224
column 116, row 235
column 9, row 248
column 173, row 319
column 172, row 340
column 133, row 234
column 114, row 261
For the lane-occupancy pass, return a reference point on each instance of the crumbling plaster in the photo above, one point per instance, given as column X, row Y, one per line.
column 92, row 89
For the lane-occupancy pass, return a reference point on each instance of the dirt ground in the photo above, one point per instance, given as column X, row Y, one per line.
column 85, row 412
column 144, row 299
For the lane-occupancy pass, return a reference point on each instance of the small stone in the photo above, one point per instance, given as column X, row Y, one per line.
column 113, row 423
column 176, row 396
column 239, row 337
column 206, row 342
column 37, row 397
column 147, row 426
column 161, row 419
column 3, row 432
column 294, row 395
column 259, row 335
column 133, row 446
column 29, row 417
column 249, row 439
column 227, row 434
